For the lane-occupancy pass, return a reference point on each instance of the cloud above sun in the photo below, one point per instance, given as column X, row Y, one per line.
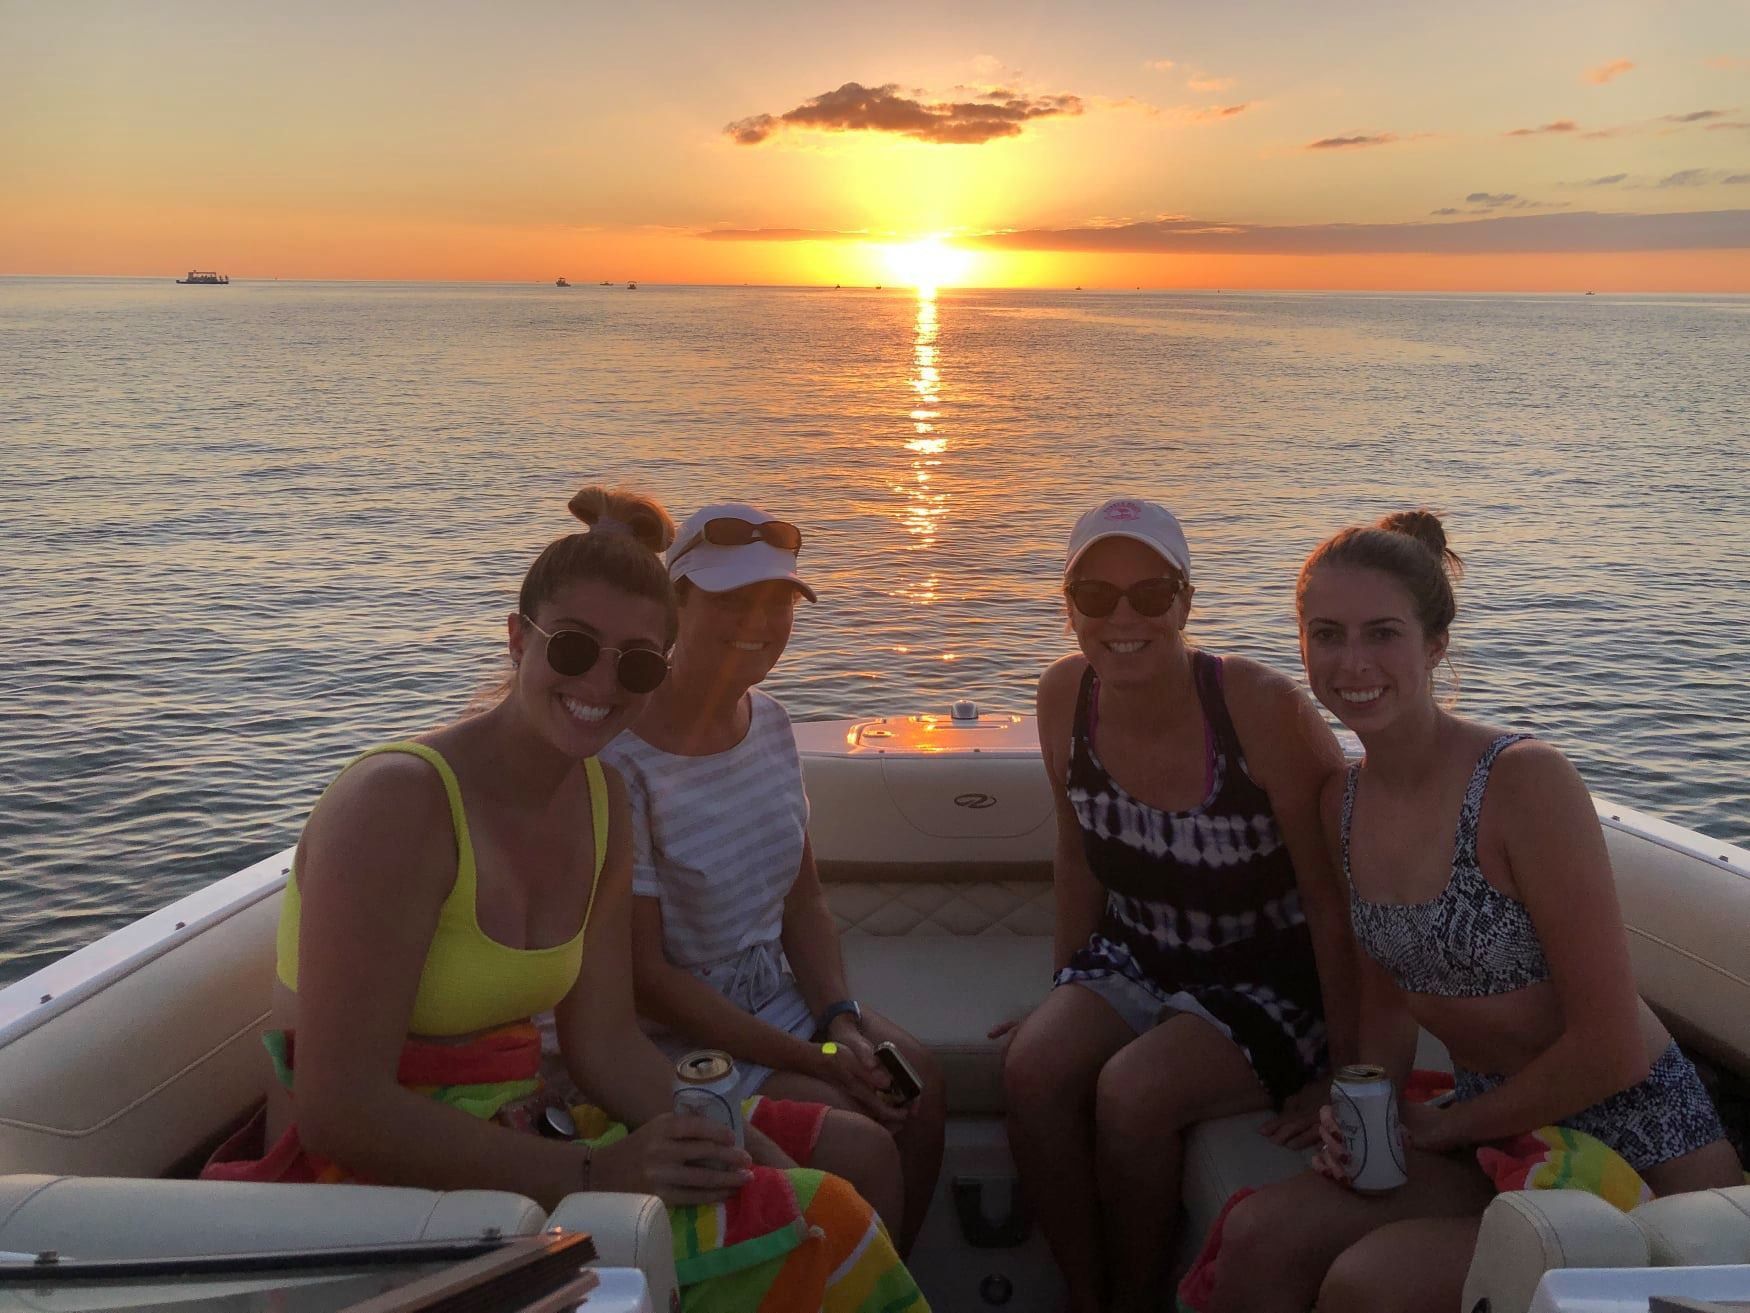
column 986, row 116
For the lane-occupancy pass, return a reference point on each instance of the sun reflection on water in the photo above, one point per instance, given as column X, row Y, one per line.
column 925, row 500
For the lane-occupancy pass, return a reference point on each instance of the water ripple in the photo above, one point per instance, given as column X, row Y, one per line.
column 252, row 529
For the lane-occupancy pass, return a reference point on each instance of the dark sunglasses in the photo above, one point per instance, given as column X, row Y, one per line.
column 1147, row 597
column 573, row 652
column 732, row 531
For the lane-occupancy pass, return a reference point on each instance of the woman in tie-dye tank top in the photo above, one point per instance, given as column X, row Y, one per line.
column 1191, row 886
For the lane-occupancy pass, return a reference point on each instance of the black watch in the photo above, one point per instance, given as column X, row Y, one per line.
column 844, row 1007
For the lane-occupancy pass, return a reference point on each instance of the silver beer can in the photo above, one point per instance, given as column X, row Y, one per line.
column 704, row 1085
column 1366, row 1109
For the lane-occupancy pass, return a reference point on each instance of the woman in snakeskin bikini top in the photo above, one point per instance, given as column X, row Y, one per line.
column 1497, row 932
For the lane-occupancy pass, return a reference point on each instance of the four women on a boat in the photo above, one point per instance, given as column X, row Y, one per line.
column 448, row 888
column 1483, row 905
column 733, row 945
column 1192, row 887
column 1212, row 856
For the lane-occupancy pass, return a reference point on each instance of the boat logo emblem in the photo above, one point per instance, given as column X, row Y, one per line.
column 976, row 801
column 1123, row 510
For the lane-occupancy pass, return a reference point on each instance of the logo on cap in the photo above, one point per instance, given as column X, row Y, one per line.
column 1124, row 510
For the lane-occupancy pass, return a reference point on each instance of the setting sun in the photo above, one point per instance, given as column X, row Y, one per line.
column 927, row 263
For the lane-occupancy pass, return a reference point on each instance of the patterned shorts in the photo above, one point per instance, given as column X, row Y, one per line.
column 1665, row 1116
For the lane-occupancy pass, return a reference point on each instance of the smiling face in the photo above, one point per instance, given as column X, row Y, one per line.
column 1365, row 652
column 580, row 714
column 1125, row 647
column 735, row 638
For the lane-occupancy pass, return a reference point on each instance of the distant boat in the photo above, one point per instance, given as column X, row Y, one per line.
column 205, row 276
column 1592, row 294
column 631, row 287
column 560, row 282
column 604, row 283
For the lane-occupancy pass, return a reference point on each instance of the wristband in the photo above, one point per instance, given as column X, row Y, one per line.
column 844, row 1007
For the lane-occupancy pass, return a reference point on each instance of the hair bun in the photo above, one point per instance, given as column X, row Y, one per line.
column 633, row 513
column 1424, row 526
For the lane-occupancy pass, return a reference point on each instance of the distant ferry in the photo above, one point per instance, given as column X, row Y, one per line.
column 560, row 282
column 631, row 287
column 204, row 276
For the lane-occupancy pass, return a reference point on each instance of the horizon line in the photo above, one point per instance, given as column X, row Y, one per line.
column 905, row 288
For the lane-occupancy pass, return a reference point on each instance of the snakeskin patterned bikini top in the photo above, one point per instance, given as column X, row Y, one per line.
column 1469, row 941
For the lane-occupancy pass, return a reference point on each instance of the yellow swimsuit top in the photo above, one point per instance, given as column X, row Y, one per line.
column 472, row 982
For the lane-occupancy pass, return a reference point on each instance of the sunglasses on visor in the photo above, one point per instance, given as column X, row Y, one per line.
column 732, row 531
column 573, row 652
column 1147, row 597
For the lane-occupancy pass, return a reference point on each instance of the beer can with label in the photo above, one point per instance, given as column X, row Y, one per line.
column 704, row 1085
column 1366, row 1108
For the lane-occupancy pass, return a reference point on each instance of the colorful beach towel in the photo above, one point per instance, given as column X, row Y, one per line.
column 1556, row 1158
column 793, row 1241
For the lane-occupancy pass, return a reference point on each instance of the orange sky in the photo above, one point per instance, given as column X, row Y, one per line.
column 1573, row 147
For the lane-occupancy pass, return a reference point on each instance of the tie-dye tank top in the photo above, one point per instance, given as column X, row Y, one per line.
column 1202, row 910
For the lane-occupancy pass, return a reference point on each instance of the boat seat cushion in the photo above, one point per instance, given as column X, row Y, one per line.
column 949, row 992
column 629, row 1230
column 122, row 1217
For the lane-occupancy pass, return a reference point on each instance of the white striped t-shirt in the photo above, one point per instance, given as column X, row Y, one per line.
column 717, row 840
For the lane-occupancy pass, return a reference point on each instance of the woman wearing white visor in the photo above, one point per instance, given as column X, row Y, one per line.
column 733, row 945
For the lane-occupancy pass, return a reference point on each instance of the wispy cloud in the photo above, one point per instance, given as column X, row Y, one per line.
column 856, row 108
column 1608, row 180
column 781, row 235
column 1607, row 72
column 1352, row 143
column 1727, row 63
column 1531, row 233
column 1702, row 178
column 1560, row 125
column 1487, row 202
column 1159, row 65
column 1206, row 82
column 1695, row 116
column 1210, row 113
column 1728, row 127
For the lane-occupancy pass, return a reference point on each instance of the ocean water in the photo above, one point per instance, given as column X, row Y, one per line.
column 249, row 530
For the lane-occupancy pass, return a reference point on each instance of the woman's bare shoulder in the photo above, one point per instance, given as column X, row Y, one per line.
column 389, row 813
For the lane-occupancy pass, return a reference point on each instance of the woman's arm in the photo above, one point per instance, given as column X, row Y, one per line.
column 1554, row 850
column 1079, row 897
column 378, row 860
column 615, row 1063
column 681, row 1001
column 1291, row 753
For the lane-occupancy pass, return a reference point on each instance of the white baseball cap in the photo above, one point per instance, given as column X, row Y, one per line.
column 1147, row 522
column 719, row 568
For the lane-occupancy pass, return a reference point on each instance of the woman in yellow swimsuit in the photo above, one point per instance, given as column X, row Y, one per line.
column 445, row 887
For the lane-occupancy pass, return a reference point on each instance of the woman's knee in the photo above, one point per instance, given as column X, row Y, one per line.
column 1038, row 1077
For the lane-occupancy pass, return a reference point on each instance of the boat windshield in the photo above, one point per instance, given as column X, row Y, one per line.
column 518, row 1273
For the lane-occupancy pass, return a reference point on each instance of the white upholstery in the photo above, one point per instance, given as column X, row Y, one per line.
column 1002, row 908
column 630, row 1230
column 949, row 995
column 1694, row 1230
column 128, row 1082
column 114, row 1217
column 1527, row 1233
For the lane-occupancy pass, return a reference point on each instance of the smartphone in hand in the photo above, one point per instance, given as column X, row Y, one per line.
column 906, row 1084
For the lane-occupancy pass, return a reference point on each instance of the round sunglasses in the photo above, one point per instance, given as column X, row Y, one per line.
column 733, row 531
column 1147, row 597
column 572, row 652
